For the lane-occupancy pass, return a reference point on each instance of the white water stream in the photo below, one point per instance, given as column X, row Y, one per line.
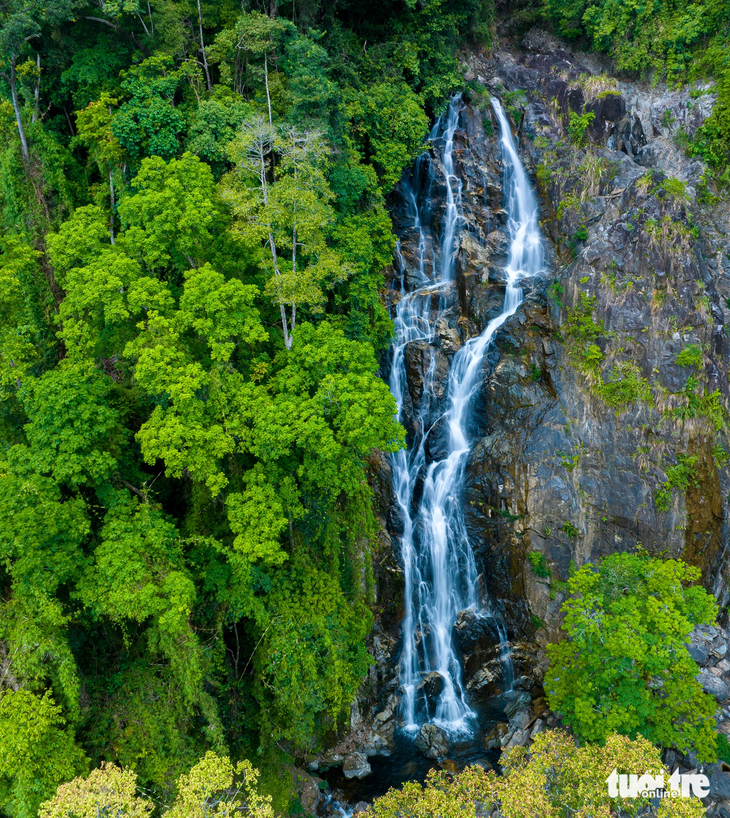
column 439, row 568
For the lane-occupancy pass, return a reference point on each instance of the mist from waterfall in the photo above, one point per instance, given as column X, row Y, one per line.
column 440, row 574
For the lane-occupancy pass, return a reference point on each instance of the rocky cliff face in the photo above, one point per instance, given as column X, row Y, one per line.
column 604, row 402
column 599, row 425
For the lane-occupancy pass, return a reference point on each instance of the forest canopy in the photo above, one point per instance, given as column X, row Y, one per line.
column 194, row 226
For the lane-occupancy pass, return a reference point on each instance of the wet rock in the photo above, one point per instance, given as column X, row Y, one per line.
column 448, row 335
column 361, row 806
column 477, row 638
column 517, row 703
column 308, row 790
column 356, row 765
column 449, row 765
column 432, row 741
column 484, row 763
column 431, row 687
column 425, row 366
column 607, row 110
column 520, row 738
column 487, row 680
column 493, row 739
column 521, row 719
column 539, row 726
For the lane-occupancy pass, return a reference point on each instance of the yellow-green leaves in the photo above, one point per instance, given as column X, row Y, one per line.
column 220, row 311
column 18, row 329
column 183, row 359
column 215, row 788
column 108, row 790
column 257, row 516
column 73, row 433
column 169, row 215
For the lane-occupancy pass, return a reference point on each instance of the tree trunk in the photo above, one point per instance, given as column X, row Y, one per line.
column 37, row 90
column 268, row 95
column 13, row 82
column 113, row 202
column 202, row 49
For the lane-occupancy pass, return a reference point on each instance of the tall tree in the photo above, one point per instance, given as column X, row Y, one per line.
column 22, row 22
column 281, row 200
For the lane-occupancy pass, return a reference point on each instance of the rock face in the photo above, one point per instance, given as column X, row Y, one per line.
column 430, row 688
column 597, row 425
column 574, row 459
column 432, row 741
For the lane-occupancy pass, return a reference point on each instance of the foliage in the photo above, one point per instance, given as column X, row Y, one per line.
column 689, row 356
column 679, row 476
column 558, row 777
column 107, row 790
column 626, row 386
column 213, row 787
column 554, row 778
column 188, row 371
column 698, row 403
column 569, row 529
column 465, row 796
column 624, row 666
column 690, row 42
column 389, row 124
column 37, row 751
column 723, row 748
column 539, row 564
column 578, row 125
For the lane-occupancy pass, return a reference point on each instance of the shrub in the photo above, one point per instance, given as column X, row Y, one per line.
column 679, row 476
column 689, row 356
column 553, row 779
column 627, row 386
column 539, row 564
column 578, row 124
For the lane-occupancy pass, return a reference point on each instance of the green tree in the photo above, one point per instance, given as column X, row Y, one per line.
column 94, row 130
column 107, row 790
column 22, row 22
column 389, row 124
column 37, row 752
column 624, row 666
column 289, row 216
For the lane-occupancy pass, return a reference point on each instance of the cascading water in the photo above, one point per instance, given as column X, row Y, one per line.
column 439, row 570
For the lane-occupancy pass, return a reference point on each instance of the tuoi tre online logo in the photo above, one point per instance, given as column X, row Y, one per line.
column 679, row 785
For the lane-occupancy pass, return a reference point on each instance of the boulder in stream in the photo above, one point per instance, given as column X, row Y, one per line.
column 432, row 741
column 356, row 765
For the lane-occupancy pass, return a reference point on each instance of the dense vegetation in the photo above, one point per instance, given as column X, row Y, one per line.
column 664, row 39
column 555, row 779
column 194, row 229
column 624, row 666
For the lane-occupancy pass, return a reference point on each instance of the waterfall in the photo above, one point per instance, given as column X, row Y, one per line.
column 440, row 574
